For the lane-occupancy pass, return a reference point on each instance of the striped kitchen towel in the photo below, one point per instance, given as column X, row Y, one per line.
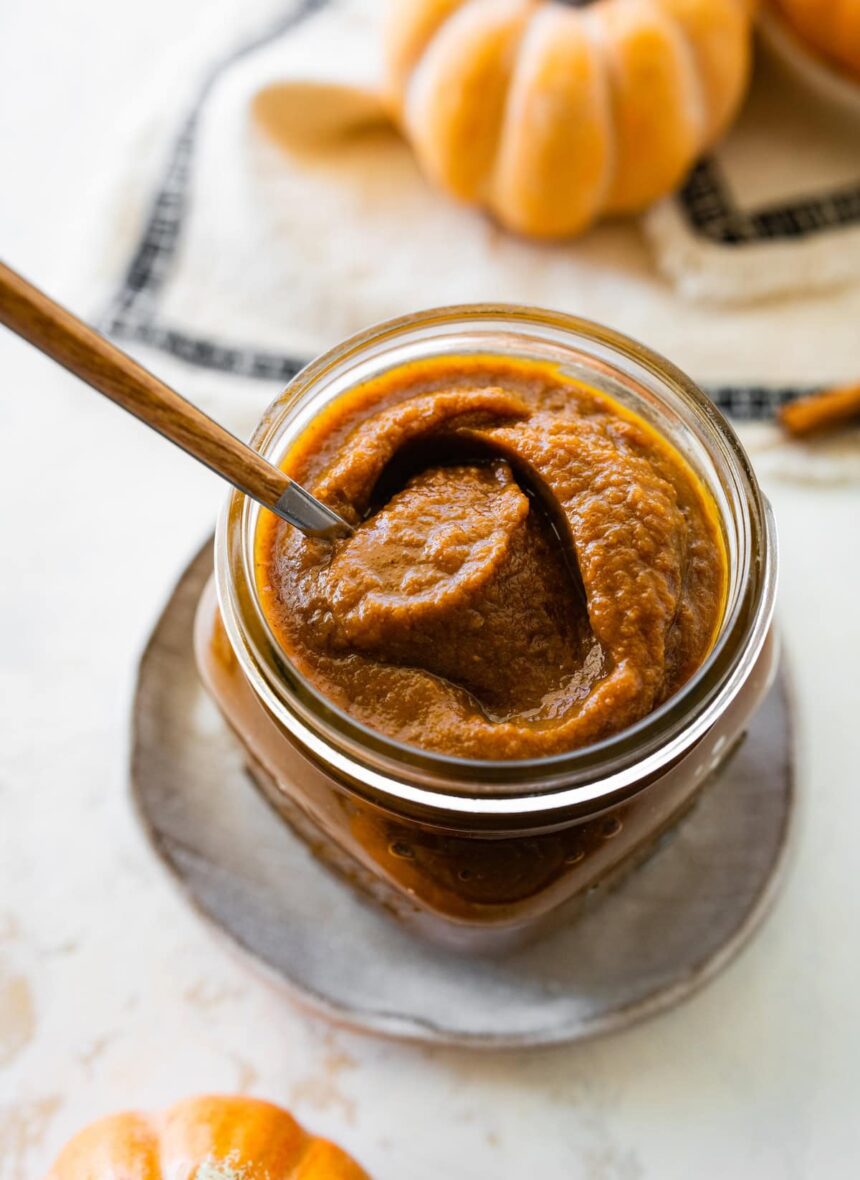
column 286, row 213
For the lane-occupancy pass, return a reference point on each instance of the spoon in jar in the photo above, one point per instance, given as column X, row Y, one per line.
column 29, row 313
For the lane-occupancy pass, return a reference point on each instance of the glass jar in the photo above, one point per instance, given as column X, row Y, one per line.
column 481, row 854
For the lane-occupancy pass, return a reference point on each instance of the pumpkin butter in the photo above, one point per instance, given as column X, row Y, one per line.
column 533, row 567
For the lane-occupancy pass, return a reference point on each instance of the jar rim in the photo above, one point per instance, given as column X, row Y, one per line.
column 604, row 771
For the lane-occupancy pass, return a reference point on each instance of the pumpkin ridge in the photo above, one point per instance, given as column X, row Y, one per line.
column 461, row 120
column 610, row 64
column 694, row 84
column 514, row 54
column 210, row 1137
column 712, row 40
column 410, row 58
column 831, row 31
column 647, row 56
column 534, row 50
column 595, row 31
column 294, row 1169
column 517, row 54
column 549, row 126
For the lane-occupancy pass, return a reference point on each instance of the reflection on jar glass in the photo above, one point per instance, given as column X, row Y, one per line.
column 477, row 853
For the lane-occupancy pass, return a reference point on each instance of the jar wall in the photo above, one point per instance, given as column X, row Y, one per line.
column 457, row 884
column 484, row 854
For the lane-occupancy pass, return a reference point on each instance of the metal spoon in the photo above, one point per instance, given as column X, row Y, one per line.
column 71, row 343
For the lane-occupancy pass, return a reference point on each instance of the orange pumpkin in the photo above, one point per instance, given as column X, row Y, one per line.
column 551, row 115
column 203, row 1139
column 830, row 27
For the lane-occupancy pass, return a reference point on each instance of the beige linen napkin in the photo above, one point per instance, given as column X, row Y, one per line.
column 290, row 214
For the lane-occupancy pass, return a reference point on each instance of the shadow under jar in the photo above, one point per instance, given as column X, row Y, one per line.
column 474, row 853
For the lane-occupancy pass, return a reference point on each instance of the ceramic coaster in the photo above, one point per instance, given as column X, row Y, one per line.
column 664, row 931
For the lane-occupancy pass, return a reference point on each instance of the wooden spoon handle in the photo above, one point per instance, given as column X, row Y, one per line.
column 81, row 350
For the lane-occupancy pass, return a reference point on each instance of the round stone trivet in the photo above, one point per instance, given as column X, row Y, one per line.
column 664, row 931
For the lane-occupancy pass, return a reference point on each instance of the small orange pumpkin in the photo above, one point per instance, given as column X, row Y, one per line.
column 550, row 115
column 830, row 27
column 206, row 1138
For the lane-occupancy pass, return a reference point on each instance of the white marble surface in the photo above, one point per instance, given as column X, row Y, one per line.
column 112, row 994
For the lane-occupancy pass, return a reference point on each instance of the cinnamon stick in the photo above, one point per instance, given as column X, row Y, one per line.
column 822, row 411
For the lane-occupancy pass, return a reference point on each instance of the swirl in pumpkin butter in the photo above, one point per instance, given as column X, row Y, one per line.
column 532, row 569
